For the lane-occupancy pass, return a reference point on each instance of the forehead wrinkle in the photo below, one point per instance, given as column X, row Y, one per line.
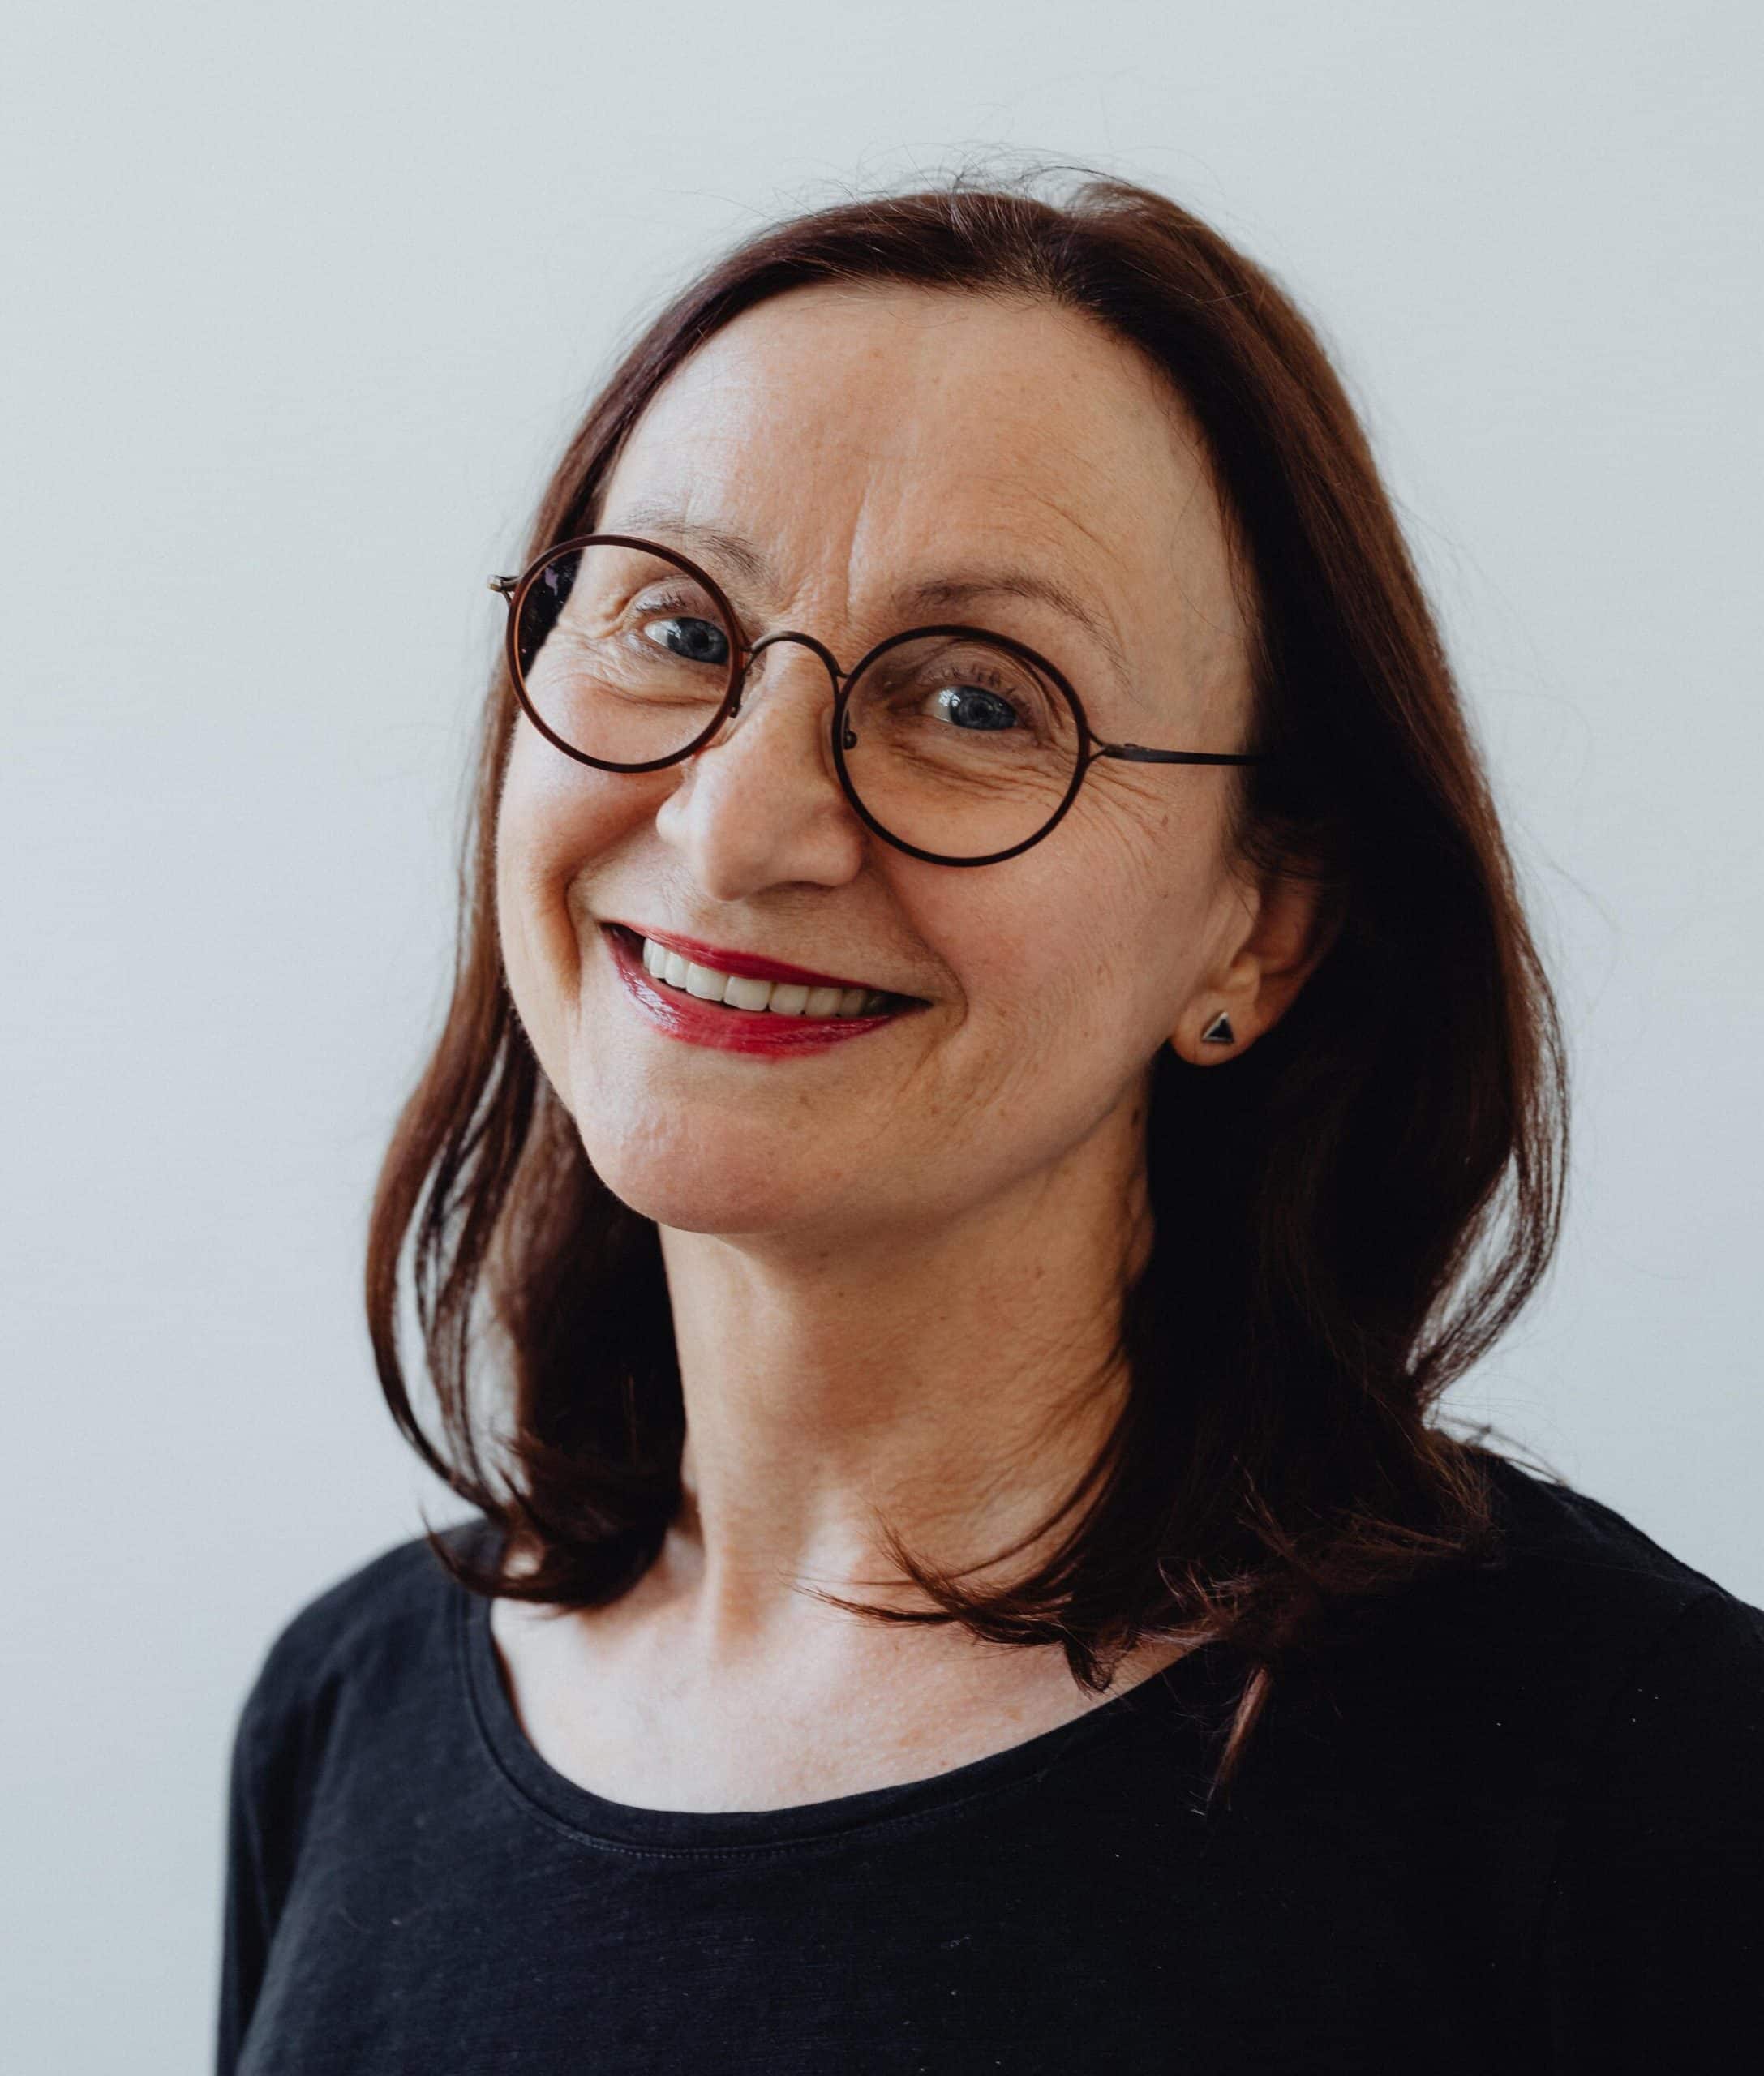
column 670, row 526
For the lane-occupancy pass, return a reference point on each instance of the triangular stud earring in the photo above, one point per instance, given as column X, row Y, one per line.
column 1219, row 1032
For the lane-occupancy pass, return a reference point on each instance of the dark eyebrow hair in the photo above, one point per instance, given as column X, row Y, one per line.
column 670, row 528
column 951, row 593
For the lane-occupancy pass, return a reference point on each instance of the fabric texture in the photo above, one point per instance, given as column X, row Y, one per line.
column 1518, row 1826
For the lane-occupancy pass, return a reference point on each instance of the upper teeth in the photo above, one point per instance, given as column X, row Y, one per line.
column 783, row 997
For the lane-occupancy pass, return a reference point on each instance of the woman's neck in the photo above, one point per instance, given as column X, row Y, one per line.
column 951, row 1382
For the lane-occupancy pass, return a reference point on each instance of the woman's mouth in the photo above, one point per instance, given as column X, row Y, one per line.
column 744, row 1012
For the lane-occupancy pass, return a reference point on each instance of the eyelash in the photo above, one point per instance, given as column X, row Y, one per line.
column 984, row 680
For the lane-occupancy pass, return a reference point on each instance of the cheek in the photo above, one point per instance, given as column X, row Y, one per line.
column 1090, row 952
column 556, row 822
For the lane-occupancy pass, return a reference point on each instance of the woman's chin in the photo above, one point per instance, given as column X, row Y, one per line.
column 691, row 1205
column 723, row 1185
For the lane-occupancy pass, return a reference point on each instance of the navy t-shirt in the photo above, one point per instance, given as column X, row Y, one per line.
column 1518, row 1827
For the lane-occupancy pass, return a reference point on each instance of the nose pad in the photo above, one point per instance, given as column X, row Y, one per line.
column 828, row 662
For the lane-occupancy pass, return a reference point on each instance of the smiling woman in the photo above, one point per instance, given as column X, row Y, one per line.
column 996, row 1073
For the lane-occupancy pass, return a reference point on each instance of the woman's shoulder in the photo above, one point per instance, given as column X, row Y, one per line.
column 381, row 1625
column 1587, row 1578
column 342, row 1699
column 1637, row 1682
column 1574, row 1623
column 1650, row 1636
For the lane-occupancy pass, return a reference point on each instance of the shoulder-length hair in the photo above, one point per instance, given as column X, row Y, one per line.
column 1346, row 1215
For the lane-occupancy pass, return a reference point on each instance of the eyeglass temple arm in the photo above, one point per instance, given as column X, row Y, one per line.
column 1137, row 753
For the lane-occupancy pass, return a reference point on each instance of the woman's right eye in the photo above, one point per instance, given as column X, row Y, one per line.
column 694, row 640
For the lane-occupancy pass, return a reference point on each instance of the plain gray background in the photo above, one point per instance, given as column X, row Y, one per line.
column 300, row 302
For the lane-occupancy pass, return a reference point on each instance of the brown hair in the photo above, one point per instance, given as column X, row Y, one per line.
column 1346, row 1215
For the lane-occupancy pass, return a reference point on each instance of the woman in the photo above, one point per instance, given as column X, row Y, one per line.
column 977, row 1219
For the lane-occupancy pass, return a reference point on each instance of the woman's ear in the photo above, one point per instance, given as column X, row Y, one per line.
column 1292, row 922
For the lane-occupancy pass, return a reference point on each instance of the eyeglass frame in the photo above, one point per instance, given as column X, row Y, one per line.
column 513, row 591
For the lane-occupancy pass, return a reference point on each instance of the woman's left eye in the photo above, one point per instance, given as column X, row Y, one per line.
column 976, row 706
column 695, row 640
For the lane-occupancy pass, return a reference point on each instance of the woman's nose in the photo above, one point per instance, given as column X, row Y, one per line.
column 762, row 803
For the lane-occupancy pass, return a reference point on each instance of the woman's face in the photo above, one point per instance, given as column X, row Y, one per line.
column 891, row 458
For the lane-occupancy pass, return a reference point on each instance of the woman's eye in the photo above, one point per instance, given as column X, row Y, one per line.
column 697, row 641
column 973, row 706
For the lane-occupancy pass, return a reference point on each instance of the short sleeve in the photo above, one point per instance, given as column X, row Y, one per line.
column 1654, row 1943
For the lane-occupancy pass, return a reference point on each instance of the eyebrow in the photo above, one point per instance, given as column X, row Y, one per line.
column 951, row 592
column 957, row 591
column 666, row 524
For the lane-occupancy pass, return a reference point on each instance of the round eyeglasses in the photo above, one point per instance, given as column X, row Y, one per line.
column 955, row 744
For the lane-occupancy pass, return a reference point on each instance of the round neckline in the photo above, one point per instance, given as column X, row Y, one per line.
column 634, row 1826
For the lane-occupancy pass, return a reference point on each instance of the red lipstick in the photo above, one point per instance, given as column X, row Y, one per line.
column 754, row 1031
